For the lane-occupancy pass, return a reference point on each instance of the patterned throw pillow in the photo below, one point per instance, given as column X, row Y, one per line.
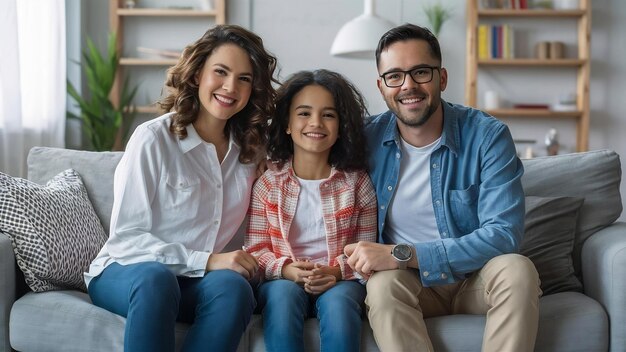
column 54, row 229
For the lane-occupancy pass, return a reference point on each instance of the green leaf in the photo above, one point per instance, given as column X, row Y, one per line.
column 101, row 120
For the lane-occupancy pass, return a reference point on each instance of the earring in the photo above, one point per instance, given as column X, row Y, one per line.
column 288, row 132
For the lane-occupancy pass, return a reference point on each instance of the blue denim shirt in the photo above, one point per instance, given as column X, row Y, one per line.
column 476, row 190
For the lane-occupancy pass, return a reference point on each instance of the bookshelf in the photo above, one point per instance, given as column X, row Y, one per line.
column 526, row 61
column 131, row 62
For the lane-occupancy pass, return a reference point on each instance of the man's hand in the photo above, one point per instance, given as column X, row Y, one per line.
column 239, row 261
column 297, row 271
column 367, row 257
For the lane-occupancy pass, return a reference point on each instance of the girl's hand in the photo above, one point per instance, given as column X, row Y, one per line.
column 239, row 261
column 318, row 284
column 323, row 278
column 297, row 271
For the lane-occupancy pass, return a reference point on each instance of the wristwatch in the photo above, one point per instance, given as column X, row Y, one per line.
column 402, row 253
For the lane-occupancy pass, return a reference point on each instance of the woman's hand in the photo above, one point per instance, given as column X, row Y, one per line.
column 297, row 271
column 239, row 261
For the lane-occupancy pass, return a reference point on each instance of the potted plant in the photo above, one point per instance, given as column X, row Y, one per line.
column 105, row 123
column 436, row 15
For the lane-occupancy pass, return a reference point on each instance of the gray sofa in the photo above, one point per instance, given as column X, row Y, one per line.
column 569, row 321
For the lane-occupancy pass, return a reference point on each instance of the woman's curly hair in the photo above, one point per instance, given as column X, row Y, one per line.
column 348, row 153
column 249, row 126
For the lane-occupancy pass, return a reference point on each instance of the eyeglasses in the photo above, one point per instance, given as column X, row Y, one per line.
column 422, row 74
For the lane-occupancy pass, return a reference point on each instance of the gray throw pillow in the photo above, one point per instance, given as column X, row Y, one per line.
column 54, row 229
column 550, row 227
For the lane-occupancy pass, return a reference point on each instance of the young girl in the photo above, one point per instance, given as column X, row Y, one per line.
column 182, row 189
column 303, row 212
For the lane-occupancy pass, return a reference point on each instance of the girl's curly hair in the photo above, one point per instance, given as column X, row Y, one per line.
column 249, row 125
column 348, row 153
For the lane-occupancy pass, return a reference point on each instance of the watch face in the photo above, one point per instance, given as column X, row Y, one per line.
column 402, row 252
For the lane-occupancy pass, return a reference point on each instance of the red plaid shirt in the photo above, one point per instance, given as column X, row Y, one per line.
column 349, row 210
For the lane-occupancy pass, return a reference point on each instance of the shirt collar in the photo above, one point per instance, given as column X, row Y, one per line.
column 193, row 140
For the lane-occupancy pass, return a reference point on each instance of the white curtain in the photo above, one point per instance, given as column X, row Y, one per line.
column 32, row 79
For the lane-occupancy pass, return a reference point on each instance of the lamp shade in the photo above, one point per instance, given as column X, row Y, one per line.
column 359, row 37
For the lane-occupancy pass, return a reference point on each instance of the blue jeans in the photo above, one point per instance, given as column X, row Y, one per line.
column 285, row 305
column 218, row 305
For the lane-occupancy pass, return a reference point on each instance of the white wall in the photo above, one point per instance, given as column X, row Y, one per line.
column 300, row 33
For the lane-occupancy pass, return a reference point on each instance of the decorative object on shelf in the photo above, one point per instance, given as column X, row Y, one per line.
column 166, row 53
column 205, row 5
column 437, row 14
column 557, row 49
column 566, row 102
column 104, row 123
column 492, row 100
column 566, row 4
column 525, row 148
column 130, row 4
column 358, row 38
column 552, row 142
column 542, row 50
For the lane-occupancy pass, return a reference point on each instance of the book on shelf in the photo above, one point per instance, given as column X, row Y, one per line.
column 164, row 53
column 496, row 42
column 532, row 106
column 504, row 4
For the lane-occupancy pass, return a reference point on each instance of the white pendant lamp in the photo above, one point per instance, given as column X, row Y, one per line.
column 358, row 38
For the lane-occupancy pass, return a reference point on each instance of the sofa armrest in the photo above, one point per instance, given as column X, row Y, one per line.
column 7, row 289
column 604, row 276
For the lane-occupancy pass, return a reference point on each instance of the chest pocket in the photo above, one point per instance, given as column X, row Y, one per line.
column 182, row 193
column 464, row 208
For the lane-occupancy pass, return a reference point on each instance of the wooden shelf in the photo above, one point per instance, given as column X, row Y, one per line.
column 166, row 12
column 134, row 61
column 119, row 15
column 538, row 113
column 532, row 62
column 581, row 64
column 530, row 13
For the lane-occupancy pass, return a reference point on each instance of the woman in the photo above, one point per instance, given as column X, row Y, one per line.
column 182, row 190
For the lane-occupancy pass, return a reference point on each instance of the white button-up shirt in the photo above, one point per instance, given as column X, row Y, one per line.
column 174, row 203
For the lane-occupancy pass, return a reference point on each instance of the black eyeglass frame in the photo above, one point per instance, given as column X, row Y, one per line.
column 432, row 74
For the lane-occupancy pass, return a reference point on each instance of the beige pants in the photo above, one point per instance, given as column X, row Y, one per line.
column 506, row 289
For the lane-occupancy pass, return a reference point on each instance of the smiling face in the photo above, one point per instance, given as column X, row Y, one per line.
column 225, row 82
column 413, row 103
column 313, row 122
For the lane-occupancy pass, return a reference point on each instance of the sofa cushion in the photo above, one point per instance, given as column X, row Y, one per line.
column 54, row 230
column 550, row 226
column 95, row 168
column 594, row 176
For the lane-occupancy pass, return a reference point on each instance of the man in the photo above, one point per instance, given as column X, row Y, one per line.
column 450, row 209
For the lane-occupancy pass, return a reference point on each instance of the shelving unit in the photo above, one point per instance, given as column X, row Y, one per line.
column 581, row 63
column 118, row 14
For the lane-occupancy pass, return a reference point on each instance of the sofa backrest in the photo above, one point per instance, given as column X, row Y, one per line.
column 593, row 175
column 95, row 168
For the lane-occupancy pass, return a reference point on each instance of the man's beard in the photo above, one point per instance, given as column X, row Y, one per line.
column 421, row 120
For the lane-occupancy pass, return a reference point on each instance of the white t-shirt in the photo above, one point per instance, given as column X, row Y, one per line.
column 307, row 234
column 174, row 203
column 411, row 216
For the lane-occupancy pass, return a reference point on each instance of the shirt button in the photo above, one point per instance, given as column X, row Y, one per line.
column 435, row 166
column 180, row 184
column 437, row 202
column 397, row 155
column 382, row 207
column 219, row 185
column 389, row 188
column 444, row 276
column 444, row 234
column 216, row 222
column 425, row 273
